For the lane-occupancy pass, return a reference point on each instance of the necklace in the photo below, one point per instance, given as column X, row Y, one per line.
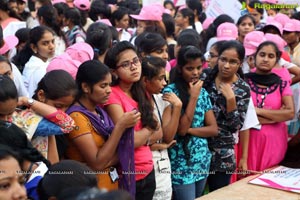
column 263, row 97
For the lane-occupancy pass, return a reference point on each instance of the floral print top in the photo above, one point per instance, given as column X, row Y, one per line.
column 197, row 167
column 222, row 146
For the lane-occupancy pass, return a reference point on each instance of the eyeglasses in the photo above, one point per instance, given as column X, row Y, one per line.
column 231, row 62
column 127, row 64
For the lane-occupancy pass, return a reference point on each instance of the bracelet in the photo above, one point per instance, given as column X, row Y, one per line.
column 30, row 102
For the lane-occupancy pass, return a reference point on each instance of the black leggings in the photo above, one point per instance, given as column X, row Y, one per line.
column 218, row 180
column 145, row 188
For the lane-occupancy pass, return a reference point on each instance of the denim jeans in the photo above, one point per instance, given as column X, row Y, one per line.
column 218, row 180
column 189, row 191
column 145, row 188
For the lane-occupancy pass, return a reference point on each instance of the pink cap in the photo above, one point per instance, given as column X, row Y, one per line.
column 277, row 40
column 270, row 1
column 274, row 23
column 150, row 12
column 80, row 51
column 104, row 21
column 252, row 40
column 292, row 25
column 281, row 18
column 64, row 62
column 82, row 4
column 167, row 11
column 270, row 19
column 10, row 42
column 58, row 1
column 227, row 31
column 207, row 22
column 182, row 7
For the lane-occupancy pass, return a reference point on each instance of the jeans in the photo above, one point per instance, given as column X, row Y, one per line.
column 145, row 188
column 189, row 191
column 218, row 180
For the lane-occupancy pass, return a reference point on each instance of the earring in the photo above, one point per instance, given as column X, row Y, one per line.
column 115, row 76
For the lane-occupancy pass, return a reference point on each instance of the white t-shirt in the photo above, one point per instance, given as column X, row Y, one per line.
column 18, row 80
column 163, row 179
column 34, row 71
column 251, row 120
column 199, row 27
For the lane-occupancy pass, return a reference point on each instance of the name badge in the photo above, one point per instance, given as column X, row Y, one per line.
column 113, row 174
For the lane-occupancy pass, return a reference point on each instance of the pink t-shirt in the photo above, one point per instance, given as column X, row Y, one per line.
column 283, row 73
column 142, row 155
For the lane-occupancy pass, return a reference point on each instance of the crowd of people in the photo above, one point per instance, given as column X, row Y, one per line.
column 108, row 99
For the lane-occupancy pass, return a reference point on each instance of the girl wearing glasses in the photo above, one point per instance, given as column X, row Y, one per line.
column 129, row 94
column 11, row 181
column 190, row 157
column 229, row 95
column 274, row 105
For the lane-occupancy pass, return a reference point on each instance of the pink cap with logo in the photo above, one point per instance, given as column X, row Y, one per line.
column 152, row 12
column 292, row 25
column 82, row 4
column 277, row 40
column 252, row 40
column 10, row 42
column 227, row 31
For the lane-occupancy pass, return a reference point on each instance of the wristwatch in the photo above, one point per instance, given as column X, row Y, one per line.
column 30, row 102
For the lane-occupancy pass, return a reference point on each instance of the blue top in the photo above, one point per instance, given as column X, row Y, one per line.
column 184, row 172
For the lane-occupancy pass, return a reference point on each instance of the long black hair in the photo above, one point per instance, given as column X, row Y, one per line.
column 138, row 90
column 149, row 42
column 151, row 66
column 14, row 137
column 35, row 35
column 49, row 15
column 56, row 84
column 90, row 72
column 99, row 36
column 185, row 55
column 7, row 152
column 211, row 31
column 8, row 89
